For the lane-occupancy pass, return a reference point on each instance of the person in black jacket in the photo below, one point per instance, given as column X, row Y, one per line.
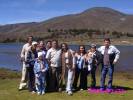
column 96, row 60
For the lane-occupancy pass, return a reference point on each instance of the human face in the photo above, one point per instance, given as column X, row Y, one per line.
column 34, row 46
column 107, row 43
column 54, row 44
column 48, row 45
column 64, row 47
column 40, row 58
column 93, row 49
column 30, row 39
column 81, row 49
column 41, row 45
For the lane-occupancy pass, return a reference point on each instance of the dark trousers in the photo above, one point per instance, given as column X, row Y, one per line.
column 55, row 78
column 47, row 80
column 93, row 76
column 82, row 73
column 31, row 78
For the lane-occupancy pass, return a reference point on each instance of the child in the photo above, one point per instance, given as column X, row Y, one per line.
column 40, row 68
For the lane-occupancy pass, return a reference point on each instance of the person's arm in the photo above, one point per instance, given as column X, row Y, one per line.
column 36, row 70
column 117, row 54
column 22, row 54
column 98, row 58
column 48, row 56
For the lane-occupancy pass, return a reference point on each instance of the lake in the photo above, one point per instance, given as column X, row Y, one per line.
column 10, row 56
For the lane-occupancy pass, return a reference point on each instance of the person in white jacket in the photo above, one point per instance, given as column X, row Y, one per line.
column 110, row 56
column 23, row 56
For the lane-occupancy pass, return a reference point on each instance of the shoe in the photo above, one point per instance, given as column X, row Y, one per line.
column 66, row 91
column 70, row 93
column 81, row 89
column 38, row 93
column 33, row 92
column 109, row 90
column 101, row 89
column 60, row 89
column 43, row 93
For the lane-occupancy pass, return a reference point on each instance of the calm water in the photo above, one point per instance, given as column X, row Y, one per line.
column 10, row 53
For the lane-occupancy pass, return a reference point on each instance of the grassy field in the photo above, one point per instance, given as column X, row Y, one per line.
column 10, row 80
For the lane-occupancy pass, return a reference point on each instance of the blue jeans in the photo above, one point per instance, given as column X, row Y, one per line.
column 105, row 70
column 40, row 83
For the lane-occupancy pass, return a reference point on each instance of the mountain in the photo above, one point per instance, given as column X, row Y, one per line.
column 93, row 18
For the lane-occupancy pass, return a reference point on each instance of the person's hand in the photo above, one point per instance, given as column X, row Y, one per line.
column 22, row 58
column 114, row 62
column 37, row 75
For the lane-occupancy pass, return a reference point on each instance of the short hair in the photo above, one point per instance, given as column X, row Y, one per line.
column 48, row 41
column 107, row 39
column 55, row 41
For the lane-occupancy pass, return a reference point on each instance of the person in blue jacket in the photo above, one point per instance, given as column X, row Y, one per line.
column 40, row 68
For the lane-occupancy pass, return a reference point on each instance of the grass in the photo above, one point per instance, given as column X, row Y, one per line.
column 9, row 89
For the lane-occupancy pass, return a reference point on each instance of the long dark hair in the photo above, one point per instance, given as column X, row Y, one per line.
column 65, row 45
column 84, row 52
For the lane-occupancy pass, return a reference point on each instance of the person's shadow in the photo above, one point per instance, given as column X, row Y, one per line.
column 122, row 87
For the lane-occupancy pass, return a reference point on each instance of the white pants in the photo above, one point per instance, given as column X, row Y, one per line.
column 23, row 82
column 69, row 80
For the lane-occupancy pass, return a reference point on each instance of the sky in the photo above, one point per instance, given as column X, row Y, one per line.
column 22, row 11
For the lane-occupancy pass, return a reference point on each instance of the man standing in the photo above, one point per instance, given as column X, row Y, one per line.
column 110, row 55
column 54, row 59
column 23, row 56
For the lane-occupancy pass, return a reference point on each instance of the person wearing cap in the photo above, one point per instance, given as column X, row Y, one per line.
column 93, row 59
column 40, row 68
column 23, row 55
column 30, row 60
column 110, row 56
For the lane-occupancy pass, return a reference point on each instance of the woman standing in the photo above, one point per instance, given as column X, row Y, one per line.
column 67, row 64
column 80, row 70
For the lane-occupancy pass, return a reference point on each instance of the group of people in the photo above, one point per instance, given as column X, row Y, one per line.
column 50, row 67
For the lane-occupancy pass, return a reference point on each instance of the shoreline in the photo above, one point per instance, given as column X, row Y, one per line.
column 120, row 41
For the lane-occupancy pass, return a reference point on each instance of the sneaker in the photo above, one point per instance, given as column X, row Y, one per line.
column 81, row 89
column 70, row 93
column 43, row 93
column 101, row 89
column 33, row 92
column 60, row 89
column 39, row 93
column 66, row 91
column 109, row 90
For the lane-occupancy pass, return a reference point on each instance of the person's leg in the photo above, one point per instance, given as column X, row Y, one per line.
column 58, row 79
column 53, row 80
column 23, row 82
column 111, row 70
column 93, row 77
column 103, row 77
column 47, row 80
column 31, row 79
column 69, row 80
column 76, row 77
column 38, row 85
column 83, row 79
column 43, row 81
